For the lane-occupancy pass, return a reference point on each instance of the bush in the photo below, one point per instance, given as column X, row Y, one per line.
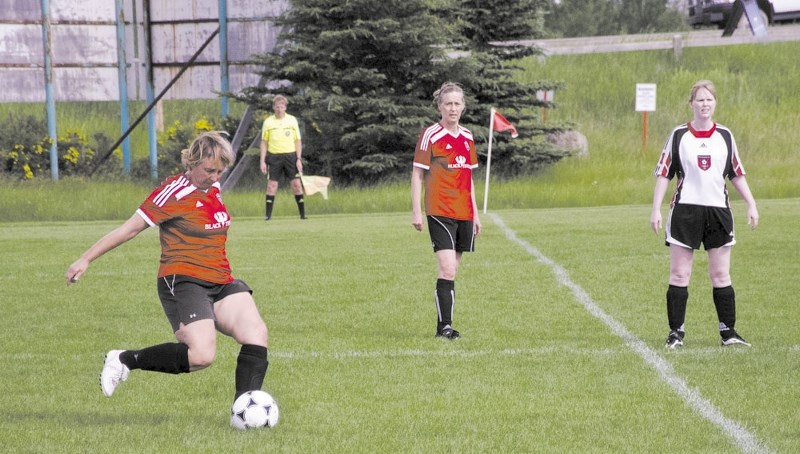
column 25, row 150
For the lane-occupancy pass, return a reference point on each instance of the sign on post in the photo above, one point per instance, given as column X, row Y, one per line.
column 645, row 102
column 546, row 96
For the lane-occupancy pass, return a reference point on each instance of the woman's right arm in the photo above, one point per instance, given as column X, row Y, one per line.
column 658, row 197
column 112, row 239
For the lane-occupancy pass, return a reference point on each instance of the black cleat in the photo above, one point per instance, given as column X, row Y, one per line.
column 734, row 339
column 674, row 340
column 448, row 333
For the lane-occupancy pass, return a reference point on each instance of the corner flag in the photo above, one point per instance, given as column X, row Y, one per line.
column 497, row 123
column 502, row 125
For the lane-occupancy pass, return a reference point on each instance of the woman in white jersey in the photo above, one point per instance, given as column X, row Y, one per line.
column 702, row 154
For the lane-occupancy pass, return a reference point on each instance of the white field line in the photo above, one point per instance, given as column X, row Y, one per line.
column 743, row 439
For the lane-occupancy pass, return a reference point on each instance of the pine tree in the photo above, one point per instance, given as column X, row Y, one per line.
column 360, row 76
column 495, row 34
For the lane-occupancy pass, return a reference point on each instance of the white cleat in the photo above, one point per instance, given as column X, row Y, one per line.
column 114, row 373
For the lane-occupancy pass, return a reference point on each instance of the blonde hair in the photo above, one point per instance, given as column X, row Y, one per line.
column 702, row 84
column 280, row 98
column 208, row 145
column 447, row 87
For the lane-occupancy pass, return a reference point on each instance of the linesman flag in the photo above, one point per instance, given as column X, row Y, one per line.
column 497, row 123
column 503, row 125
column 313, row 184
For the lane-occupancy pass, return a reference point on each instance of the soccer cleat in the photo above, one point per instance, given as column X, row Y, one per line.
column 735, row 339
column 674, row 340
column 448, row 333
column 114, row 373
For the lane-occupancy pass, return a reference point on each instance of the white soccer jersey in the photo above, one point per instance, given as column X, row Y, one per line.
column 702, row 160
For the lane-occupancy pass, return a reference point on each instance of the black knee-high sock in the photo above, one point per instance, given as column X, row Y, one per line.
column 172, row 358
column 725, row 302
column 301, row 205
column 270, row 201
column 251, row 368
column 677, row 298
column 445, row 300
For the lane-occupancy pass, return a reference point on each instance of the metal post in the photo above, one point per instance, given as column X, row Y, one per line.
column 123, row 85
column 48, row 83
column 150, row 90
column 223, row 55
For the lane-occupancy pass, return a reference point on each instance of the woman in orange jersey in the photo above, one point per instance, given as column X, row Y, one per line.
column 197, row 291
column 444, row 158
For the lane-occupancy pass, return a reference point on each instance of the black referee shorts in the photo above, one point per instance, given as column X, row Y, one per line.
column 282, row 165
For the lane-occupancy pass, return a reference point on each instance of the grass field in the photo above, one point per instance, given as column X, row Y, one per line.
column 562, row 317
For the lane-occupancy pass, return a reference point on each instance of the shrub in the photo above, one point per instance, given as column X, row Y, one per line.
column 25, row 149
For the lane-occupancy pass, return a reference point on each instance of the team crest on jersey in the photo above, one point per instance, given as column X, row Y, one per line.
column 461, row 163
column 704, row 162
column 223, row 220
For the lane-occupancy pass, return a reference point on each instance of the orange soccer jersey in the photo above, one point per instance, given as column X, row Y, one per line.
column 449, row 160
column 193, row 227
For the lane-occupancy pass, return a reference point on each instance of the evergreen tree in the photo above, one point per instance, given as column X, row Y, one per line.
column 360, row 76
column 495, row 34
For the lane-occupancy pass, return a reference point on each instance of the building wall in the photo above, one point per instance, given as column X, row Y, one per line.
column 84, row 47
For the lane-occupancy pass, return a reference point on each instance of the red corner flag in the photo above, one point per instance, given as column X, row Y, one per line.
column 502, row 125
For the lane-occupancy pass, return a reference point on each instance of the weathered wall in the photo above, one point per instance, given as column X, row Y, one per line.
column 84, row 47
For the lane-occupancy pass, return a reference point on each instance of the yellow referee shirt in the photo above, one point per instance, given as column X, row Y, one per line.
column 280, row 135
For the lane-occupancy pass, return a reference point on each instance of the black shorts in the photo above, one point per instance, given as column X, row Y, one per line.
column 449, row 233
column 692, row 225
column 186, row 299
column 282, row 165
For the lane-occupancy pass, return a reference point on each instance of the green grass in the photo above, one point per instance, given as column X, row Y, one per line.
column 355, row 367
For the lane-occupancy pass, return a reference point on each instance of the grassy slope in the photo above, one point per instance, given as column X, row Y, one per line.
column 756, row 100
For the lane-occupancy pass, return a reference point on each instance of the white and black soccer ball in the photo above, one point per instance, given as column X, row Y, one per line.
column 253, row 410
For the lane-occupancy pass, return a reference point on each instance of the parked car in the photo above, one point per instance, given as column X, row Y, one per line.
column 717, row 12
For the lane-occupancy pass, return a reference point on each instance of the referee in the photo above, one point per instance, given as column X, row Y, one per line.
column 281, row 153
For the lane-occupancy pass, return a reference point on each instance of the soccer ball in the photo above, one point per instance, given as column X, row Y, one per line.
column 253, row 410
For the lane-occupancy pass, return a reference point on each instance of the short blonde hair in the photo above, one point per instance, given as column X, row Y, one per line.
column 702, row 84
column 207, row 145
column 447, row 87
column 280, row 98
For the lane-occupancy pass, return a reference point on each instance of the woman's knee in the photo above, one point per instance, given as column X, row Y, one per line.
column 200, row 358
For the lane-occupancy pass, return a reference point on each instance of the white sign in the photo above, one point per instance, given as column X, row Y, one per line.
column 645, row 97
column 545, row 95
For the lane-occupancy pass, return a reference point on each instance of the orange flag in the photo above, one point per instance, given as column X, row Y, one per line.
column 502, row 125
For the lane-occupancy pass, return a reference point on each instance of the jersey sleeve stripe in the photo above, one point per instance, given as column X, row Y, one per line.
column 422, row 166
column 146, row 218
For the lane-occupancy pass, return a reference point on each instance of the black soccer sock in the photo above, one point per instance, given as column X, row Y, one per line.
column 172, row 358
column 251, row 368
column 725, row 302
column 301, row 205
column 445, row 300
column 677, row 298
column 270, row 201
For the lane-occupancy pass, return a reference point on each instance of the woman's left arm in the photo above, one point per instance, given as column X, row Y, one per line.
column 740, row 183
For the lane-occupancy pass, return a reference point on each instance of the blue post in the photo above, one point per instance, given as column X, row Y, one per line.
column 123, row 85
column 223, row 54
column 48, row 84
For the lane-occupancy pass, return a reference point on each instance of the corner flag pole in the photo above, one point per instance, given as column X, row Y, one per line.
column 488, row 160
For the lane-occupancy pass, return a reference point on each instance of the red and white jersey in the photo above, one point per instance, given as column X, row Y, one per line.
column 193, row 227
column 449, row 160
column 702, row 160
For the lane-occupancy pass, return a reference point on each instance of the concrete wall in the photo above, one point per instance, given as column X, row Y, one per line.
column 84, row 47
